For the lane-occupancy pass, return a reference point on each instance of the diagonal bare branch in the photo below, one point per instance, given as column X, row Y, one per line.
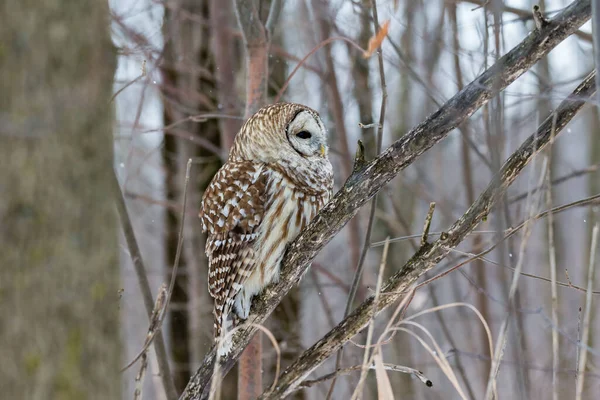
column 366, row 181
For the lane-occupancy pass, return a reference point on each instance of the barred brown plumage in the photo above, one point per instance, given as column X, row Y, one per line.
column 275, row 180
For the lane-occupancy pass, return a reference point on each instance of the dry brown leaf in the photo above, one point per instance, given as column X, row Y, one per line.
column 375, row 41
column 384, row 387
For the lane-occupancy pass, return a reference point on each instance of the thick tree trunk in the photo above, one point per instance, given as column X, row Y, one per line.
column 59, row 269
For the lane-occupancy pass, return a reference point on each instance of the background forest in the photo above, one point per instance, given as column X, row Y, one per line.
column 140, row 87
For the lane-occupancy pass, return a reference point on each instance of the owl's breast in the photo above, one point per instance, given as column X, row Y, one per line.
column 289, row 210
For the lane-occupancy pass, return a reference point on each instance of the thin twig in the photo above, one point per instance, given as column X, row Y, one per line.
column 553, row 284
column 509, row 233
column 502, row 335
column 336, row 108
column 472, row 256
column 577, row 376
column 310, row 53
column 367, row 126
column 407, row 320
column 274, row 11
column 156, row 312
column 413, row 74
column 155, row 326
column 363, row 374
column 367, row 242
column 596, row 44
column 443, row 363
column 522, row 14
column 389, row 367
column 437, row 354
column 142, row 75
column 194, row 118
column 139, row 378
column 587, row 314
column 468, row 181
column 460, row 304
column 575, row 174
column 428, row 218
column 140, row 270
column 152, row 327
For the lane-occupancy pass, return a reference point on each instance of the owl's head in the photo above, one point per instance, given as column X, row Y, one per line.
column 288, row 131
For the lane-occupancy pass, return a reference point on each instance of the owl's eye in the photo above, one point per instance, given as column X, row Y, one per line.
column 304, row 135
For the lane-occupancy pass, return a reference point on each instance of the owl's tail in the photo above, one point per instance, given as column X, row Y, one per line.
column 223, row 324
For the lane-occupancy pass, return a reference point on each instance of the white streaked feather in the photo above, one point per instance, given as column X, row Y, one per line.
column 270, row 234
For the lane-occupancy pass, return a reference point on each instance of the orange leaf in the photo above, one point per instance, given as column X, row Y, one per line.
column 375, row 41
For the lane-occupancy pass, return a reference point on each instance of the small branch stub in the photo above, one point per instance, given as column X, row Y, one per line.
column 359, row 158
column 538, row 18
column 369, row 126
column 427, row 225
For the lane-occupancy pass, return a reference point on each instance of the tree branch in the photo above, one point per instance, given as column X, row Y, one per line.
column 430, row 254
column 368, row 180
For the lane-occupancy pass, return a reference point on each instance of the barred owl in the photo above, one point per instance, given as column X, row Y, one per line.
column 275, row 180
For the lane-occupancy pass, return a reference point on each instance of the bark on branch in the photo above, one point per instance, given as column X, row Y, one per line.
column 365, row 182
column 430, row 254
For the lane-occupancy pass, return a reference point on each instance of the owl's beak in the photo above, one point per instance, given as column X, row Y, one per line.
column 323, row 150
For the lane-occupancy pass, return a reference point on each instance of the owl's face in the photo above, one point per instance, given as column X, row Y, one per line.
column 306, row 134
column 284, row 132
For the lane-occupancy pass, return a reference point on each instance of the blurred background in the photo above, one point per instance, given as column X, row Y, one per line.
column 68, row 288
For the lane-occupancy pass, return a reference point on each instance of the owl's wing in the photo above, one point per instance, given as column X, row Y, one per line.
column 232, row 210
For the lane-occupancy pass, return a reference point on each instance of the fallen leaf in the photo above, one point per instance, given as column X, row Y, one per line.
column 375, row 41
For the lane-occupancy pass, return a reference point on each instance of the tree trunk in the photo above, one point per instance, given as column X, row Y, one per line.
column 59, row 268
column 189, row 89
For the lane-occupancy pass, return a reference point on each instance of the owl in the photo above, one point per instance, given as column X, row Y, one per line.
column 275, row 180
